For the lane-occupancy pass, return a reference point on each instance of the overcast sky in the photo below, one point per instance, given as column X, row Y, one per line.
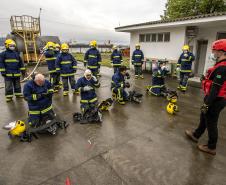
column 83, row 20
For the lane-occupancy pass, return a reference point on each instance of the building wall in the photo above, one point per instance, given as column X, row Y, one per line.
column 161, row 50
column 210, row 34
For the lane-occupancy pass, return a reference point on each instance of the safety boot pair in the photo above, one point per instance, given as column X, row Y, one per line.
column 75, row 91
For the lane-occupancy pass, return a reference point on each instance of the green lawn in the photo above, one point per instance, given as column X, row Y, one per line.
column 105, row 59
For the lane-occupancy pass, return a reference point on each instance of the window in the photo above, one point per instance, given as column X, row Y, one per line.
column 221, row 35
column 148, row 37
column 160, row 37
column 167, row 37
column 153, row 37
column 142, row 38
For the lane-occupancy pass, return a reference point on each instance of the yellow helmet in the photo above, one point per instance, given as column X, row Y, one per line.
column 114, row 47
column 19, row 128
column 93, row 43
column 57, row 45
column 171, row 108
column 186, row 47
column 9, row 42
column 50, row 45
column 64, row 46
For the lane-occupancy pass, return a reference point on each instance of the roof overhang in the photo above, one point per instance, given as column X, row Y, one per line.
column 173, row 23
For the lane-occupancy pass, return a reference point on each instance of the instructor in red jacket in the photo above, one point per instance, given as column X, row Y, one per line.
column 214, row 86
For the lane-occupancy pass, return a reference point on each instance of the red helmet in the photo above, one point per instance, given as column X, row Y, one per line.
column 219, row 45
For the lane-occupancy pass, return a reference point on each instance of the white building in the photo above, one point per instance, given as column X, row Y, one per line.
column 165, row 38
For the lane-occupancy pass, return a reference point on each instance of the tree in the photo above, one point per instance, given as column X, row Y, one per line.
column 184, row 8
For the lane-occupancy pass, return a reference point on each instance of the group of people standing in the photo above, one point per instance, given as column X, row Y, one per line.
column 62, row 66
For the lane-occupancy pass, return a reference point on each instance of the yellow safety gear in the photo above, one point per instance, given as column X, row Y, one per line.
column 171, row 108
column 50, row 45
column 64, row 46
column 19, row 128
column 9, row 42
column 93, row 43
column 57, row 45
column 137, row 45
column 186, row 47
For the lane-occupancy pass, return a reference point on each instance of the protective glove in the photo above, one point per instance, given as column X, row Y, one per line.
column 127, row 85
column 204, row 108
column 87, row 88
column 94, row 78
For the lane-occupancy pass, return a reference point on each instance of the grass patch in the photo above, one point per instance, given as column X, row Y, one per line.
column 105, row 59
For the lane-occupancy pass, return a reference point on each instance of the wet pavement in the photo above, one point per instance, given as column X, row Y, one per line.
column 137, row 144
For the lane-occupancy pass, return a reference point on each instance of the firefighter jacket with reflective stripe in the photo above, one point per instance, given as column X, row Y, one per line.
column 39, row 98
column 66, row 64
column 11, row 63
column 137, row 57
column 87, row 96
column 118, row 80
column 158, row 77
column 185, row 62
column 51, row 60
column 216, row 75
column 116, row 58
column 92, row 58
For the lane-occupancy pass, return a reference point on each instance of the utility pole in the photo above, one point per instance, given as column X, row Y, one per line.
column 39, row 19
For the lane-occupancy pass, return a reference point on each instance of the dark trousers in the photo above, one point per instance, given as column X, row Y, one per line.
column 184, row 80
column 55, row 79
column 66, row 81
column 12, row 85
column 36, row 120
column 138, row 70
column 209, row 121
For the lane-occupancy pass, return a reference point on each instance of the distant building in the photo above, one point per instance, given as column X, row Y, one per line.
column 165, row 38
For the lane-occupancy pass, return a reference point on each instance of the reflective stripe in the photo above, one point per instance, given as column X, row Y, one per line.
column 137, row 55
column 58, row 69
column 157, row 86
column 92, row 56
column 185, row 60
column 50, row 90
column 117, row 64
column 89, row 101
column 69, row 74
column 137, row 64
column 178, row 64
column 2, row 69
column 41, row 112
column 34, row 96
column 22, row 68
column 92, row 67
column 9, row 96
column 65, row 62
column 116, row 57
column 185, row 71
column 99, row 63
column 11, row 60
column 18, row 74
column 53, row 58
column 52, row 71
column 18, row 94
column 75, row 67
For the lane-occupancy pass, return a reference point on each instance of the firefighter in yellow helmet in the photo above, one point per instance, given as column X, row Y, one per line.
column 11, row 68
column 58, row 81
column 137, row 61
column 92, row 58
column 66, row 65
column 184, row 65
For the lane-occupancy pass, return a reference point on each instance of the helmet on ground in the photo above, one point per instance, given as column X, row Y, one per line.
column 50, row 45
column 171, row 108
column 64, row 46
column 219, row 45
column 93, row 43
column 9, row 42
column 186, row 47
column 19, row 128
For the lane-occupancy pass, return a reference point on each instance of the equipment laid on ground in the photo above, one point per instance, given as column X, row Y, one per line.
column 135, row 97
column 26, row 133
column 93, row 114
column 172, row 97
